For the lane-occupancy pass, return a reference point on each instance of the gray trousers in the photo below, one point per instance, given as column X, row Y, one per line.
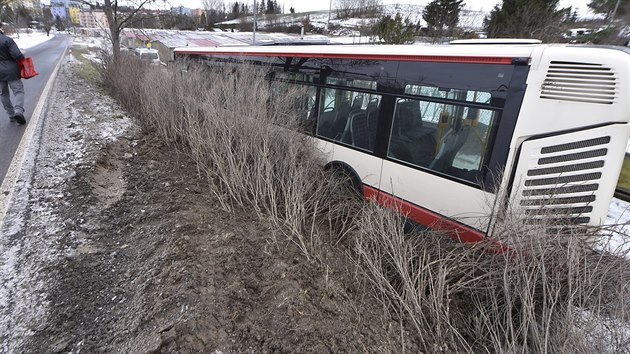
column 17, row 87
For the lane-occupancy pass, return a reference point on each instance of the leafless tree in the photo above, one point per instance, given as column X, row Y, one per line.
column 120, row 14
column 359, row 8
column 345, row 7
column 369, row 7
column 217, row 5
column 4, row 4
column 215, row 10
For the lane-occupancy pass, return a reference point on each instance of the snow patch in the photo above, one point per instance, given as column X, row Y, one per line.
column 28, row 40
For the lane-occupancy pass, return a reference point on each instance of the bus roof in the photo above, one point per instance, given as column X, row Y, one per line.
column 500, row 54
column 495, row 41
column 479, row 53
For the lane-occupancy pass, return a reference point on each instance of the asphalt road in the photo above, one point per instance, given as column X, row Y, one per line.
column 45, row 57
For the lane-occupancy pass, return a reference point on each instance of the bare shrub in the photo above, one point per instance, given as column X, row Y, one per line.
column 551, row 293
column 417, row 276
column 125, row 79
column 244, row 139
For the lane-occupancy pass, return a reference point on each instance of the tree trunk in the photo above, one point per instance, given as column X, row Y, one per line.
column 116, row 45
column 114, row 31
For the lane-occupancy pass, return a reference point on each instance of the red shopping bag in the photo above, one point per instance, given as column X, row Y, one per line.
column 27, row 69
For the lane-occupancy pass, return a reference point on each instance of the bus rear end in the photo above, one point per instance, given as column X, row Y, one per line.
column 571, row 135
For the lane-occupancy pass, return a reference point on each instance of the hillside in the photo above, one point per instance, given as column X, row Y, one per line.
column 470, row 19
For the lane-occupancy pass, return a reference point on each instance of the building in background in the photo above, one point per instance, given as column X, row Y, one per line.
column 74, row 12
column 198, row 12
column 58, row 10
column 93, row 19
column 181, row 10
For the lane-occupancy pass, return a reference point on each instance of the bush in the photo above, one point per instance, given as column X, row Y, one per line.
column 244, row 141
column 550, row 293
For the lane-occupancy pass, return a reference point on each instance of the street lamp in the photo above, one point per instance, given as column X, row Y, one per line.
column 254, row 31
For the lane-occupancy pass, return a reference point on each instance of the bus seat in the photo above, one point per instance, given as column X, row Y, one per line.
column 372, row 104
column 400, row 151
column 346, row 135
column 407, row 115
column 372, row 120
column 410, row 119
column 422, row 149
column 325, row 124
column 359, row 130
column 341, row 119
column 415, row 114
column 357, row 103
column 400, row 112
column 452, row 141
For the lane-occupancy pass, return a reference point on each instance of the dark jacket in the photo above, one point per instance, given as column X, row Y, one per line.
column 9, row 54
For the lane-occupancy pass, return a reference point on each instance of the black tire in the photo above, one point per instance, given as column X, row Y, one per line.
column 348, row 176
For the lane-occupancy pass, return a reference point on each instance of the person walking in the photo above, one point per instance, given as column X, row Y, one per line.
column 10, row 78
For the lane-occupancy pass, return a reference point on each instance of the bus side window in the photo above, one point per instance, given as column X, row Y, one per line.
column 349, row 117
column 413, row 135
column 304, row 107
column 451, row 139
column 298, row 99
column 325, row 122
column 470, row 156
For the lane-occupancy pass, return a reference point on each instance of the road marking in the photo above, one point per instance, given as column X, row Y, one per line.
column 11, row 177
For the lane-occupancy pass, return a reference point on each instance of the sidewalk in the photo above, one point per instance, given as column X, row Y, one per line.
column 35, row 237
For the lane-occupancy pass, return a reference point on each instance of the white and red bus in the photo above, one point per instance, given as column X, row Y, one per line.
column 451, row 132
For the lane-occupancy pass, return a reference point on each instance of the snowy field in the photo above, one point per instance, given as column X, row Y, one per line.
column 469, row 19
column 27, row 40
column 619, row 220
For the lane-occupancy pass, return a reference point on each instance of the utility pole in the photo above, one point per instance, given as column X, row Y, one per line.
column 254, row 32
column 329, row 11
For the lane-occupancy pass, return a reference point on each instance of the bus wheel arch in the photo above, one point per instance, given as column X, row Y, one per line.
column 341, row 168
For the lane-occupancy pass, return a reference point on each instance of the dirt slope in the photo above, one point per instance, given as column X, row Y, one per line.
column 118, row 246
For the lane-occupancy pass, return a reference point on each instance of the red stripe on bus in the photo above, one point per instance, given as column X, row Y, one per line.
column 401, row 57
column 425, row 217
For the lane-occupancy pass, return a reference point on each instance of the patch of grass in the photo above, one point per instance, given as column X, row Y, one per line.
column 89, row 70
column 624, row 177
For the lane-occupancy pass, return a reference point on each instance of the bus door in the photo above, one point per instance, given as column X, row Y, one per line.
column 435, row 156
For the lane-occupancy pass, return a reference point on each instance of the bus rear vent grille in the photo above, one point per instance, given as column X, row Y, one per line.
column 580, row 82
column 565, row 180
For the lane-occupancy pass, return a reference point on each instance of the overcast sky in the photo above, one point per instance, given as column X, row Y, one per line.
column 311, row 5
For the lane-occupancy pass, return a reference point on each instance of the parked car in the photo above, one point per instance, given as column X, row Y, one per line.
column 344, row 32
column 148, row 55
